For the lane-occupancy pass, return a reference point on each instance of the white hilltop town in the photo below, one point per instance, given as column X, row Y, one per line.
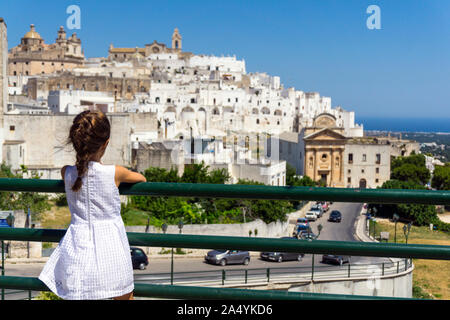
column 170, row 108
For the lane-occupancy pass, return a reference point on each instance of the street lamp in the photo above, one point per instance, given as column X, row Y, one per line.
column 180, row 225
column 395, row 218
column 406, row 230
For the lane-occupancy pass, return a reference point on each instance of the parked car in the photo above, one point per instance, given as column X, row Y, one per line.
column 311, row 215
column 300, row 227
column 282, row 256
column 340, row 260
column 325, row 206
column 302, row 221
column 138, row 258
column 306, row 234
column 335, row 216
column 318, row 208
column 224, row 257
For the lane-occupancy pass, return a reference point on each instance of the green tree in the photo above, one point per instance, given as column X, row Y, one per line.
column 293, row 180
column 441, row 177
column 410, row 168
column 419, row 213
column 37, row 202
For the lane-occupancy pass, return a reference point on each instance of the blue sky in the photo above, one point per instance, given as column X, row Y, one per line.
column 401, row 70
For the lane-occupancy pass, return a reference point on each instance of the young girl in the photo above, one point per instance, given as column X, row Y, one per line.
column 92, row 260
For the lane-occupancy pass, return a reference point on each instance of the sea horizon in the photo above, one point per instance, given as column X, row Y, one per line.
column 431, row 125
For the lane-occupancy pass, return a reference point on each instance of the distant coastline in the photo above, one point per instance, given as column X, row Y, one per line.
column 435, row 125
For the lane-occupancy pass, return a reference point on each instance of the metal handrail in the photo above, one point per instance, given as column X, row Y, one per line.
column 349, row 271
column 236, row 191
column 191, row 292
column 351, row 248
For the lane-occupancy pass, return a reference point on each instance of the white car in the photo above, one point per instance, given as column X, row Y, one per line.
column 318, row 210
column 311, row 215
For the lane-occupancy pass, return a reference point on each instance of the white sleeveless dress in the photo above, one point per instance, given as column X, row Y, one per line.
column 92, row 260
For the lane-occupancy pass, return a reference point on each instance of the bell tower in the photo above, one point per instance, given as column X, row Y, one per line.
column 176, row 40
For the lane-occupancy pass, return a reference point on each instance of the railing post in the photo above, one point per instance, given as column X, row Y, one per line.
column 349, row 269
column 223, row 276
column 268, row 274
column 246, row 276
column 406, row 264
column 3, row 267
column 171, row 269
column 312, row 268
column 382, row 273
column 398, row 266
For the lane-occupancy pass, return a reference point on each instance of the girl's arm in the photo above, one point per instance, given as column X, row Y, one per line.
column 63, row 171
column 125, row 175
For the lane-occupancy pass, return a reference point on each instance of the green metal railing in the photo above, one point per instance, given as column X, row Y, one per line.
column 244, row 243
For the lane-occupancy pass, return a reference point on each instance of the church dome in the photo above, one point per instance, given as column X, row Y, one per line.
column 32, row 34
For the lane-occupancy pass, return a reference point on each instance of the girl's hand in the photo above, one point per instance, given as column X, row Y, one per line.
column 125, row 175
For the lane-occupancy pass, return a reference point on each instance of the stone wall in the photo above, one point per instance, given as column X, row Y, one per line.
column 22, row 249
column 45, row 138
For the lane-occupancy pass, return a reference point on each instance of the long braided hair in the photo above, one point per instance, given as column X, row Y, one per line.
column 89, row 132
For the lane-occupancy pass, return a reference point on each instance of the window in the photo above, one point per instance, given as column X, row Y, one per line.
column 349, row 180
column 12, row 128
column 364, row 157
column 362, row 170
column 376, row 180
column 257, row 121
column 350, row 158
column 378, row 158
column 377, row 170
column 349, row 171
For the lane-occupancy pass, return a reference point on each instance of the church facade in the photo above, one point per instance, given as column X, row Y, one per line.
column 34, row 57
column 340, row 161
column 125, row 54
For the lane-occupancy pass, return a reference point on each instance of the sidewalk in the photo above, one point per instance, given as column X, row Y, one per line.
column 360, row 227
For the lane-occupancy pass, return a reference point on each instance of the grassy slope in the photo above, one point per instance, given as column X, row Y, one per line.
column 430, row 276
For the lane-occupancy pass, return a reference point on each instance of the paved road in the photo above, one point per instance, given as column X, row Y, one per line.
column 160, row 268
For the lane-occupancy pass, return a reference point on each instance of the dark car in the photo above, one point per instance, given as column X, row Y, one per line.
column 224, row 257
column 299, row 228
column 306, row 235
column 340, row 260
column 282, row 256
column 138, row 258
column 335, row 216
